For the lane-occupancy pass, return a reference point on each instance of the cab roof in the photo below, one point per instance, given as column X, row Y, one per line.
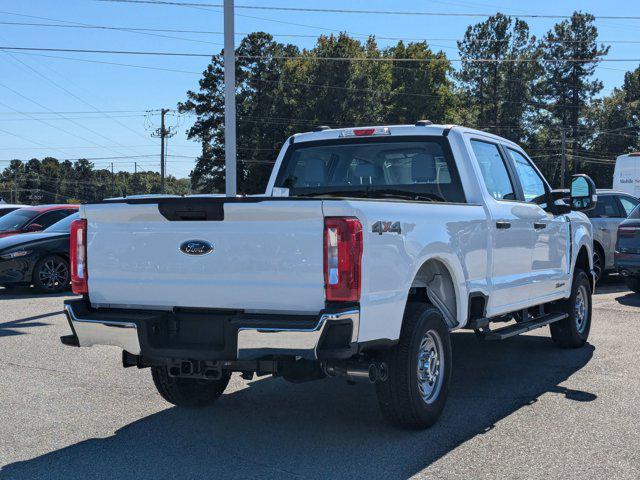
column 420, row 128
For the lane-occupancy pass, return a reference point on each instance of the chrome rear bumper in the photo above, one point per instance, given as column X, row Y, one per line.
column 254, row 342
column 246, row 337
column 100, row 332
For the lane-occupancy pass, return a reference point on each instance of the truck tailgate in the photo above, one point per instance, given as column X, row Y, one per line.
column 267, row 256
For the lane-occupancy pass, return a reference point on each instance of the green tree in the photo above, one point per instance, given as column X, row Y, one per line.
column 569, row 57
column 497, row 72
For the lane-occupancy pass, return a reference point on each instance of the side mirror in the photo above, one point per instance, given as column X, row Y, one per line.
column 33, row 227
column 583, row 193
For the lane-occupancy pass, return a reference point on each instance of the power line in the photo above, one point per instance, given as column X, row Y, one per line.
column 326, row 59
column 124, row 29
column 55, row 126
column 358, row 11
column 76, row 97
column 73, row 112
column 291, row 35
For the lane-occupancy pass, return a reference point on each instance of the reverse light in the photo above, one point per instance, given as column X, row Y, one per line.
column 78, row 254
column 342, row 259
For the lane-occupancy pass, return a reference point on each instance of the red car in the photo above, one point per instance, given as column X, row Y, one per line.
column 33, row 219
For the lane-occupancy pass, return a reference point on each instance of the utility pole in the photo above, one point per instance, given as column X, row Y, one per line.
column 229, row 100
column 163, row 133
column 135, row 168
column 113, row 181
column 563, row 159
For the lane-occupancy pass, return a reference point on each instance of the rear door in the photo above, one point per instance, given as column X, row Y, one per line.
column 510, row 229
column 266, row 255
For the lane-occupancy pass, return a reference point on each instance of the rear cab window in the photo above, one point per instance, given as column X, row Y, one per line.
column 372, row 166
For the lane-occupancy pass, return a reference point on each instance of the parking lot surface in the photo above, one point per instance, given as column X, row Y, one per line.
column 520, row 408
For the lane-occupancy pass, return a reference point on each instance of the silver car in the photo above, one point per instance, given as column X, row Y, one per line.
column 612, row 208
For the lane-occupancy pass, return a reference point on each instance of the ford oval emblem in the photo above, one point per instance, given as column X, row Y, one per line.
column 196, row 247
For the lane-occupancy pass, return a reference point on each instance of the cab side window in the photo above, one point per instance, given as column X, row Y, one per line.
column 605, row 208
column 628, row 204
column 494, row 171
column 532, row 184
column 49, row 218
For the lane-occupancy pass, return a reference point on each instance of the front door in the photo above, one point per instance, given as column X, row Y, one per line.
column 550, row 250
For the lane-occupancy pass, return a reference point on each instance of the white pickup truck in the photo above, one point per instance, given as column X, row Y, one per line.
column 368, row 248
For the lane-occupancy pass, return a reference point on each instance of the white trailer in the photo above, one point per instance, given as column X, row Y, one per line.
column 626, row 176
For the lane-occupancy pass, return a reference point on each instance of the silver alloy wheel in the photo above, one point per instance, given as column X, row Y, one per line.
column 430, row 366
column 597, row 264
column 581, row 309
column 53, row 274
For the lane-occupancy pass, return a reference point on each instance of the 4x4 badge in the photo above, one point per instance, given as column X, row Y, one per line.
column 386, row 227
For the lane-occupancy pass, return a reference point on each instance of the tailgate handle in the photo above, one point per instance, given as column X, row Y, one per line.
column 191, row 215
column 191, row 210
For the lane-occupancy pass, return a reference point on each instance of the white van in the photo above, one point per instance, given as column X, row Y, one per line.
column 626, row 176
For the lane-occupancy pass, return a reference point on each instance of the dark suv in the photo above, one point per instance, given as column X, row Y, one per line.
column 627, row 256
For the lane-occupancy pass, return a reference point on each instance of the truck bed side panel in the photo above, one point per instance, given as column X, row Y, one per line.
column 454, row 234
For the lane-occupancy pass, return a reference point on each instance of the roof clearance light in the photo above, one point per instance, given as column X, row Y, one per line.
column 365, row 132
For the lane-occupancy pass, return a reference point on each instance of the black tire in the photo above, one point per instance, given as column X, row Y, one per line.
column 188, row 392
column 598, row 263
column 633, row 283
column 573, row 331
column 51, row 274
column 400, row 397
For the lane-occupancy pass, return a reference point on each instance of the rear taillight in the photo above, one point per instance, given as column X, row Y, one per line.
column 342, row 259
column 78, row 254
column 628, row 231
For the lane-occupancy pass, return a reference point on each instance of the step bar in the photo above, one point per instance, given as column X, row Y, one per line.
column 521, row 327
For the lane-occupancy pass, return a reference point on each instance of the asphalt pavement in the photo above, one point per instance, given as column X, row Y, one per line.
column 520, row 408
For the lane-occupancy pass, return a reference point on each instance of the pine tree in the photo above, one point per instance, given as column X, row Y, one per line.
column 569, row 57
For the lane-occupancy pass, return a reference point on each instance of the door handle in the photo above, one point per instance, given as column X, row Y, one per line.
column 603, row 229
column 539, row 226
column 503, row 225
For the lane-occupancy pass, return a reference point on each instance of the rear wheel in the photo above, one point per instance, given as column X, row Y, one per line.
column 415, row 392
column 633, row 283
column 188, row 392
column 573, row 331
column 51, row 274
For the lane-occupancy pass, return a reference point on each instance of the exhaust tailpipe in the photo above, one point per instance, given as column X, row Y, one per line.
column 358, row 371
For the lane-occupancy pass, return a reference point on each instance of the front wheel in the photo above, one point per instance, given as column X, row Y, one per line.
column 188, row 392
column 415, row 392
column 573, row 331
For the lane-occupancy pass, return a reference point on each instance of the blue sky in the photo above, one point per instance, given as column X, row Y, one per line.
column 32, row 84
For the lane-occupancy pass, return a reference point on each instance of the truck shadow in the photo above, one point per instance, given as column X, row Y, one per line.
column 320, row 429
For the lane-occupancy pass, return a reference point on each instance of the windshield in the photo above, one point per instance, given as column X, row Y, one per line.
column 64, row 225
column 361, row 167
column 17, row 219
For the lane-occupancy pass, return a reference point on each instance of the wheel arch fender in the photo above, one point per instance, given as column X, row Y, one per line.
column 443, row 278
column 582, row 238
